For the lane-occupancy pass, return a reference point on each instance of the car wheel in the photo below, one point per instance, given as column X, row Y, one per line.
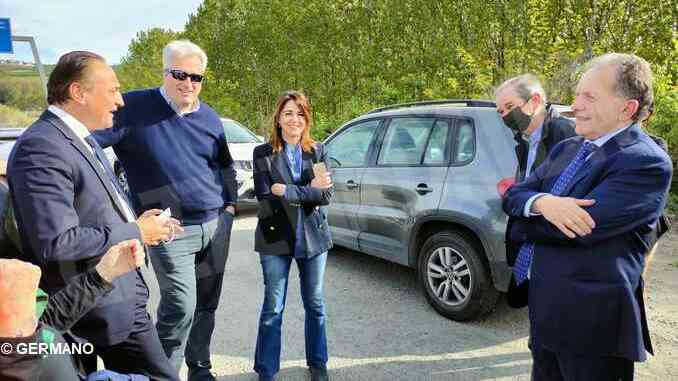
column 454, row 278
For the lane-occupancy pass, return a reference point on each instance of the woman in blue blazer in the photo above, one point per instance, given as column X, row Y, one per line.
column 293, row 188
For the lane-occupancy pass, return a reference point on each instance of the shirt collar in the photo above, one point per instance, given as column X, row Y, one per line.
column 535, row 136
column 292, row 148
column 74, row 124
column 195, row 107
column 605, row 138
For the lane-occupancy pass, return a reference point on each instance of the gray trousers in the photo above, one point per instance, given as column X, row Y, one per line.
column 190, row 273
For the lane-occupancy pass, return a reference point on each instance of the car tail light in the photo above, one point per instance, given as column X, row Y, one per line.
column 504, row 184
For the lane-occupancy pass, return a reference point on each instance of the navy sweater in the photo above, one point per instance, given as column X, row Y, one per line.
column 180, row 162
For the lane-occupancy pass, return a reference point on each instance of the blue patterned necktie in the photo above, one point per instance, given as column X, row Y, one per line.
column 99, row 153
column 524, row 259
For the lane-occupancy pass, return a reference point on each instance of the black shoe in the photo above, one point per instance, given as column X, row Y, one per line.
column 318, row 374
column 200, row 372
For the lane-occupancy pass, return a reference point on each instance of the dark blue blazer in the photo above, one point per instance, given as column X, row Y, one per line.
column 68, row 217
column 585, row 294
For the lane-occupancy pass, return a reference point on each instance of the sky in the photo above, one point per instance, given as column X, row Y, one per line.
column 104, row 27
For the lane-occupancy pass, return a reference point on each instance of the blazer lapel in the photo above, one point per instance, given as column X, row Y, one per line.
column 282, row 166
column 600, row 155
column 596, row 158
column 307, row 167
column 89, row 158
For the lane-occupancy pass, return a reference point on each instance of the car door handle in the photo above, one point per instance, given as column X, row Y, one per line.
column 350, row 184
column 423, row 189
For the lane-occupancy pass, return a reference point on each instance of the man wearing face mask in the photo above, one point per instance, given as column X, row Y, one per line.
column 521, row 102
column 537, row 128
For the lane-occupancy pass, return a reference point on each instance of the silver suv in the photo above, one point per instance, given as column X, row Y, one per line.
column 419, row 184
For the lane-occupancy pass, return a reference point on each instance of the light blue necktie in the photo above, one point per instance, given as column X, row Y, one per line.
column 524, row 259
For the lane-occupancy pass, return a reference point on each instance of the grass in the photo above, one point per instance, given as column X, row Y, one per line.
column 22, row 71
column 12, row 117
column 672, row 204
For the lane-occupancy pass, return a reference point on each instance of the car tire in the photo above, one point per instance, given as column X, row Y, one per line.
column 448, row 264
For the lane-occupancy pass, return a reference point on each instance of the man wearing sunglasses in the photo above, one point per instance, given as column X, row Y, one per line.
column 537, row 127
column 174, row 152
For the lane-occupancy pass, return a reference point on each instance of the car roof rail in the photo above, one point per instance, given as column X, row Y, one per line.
column 461, row 102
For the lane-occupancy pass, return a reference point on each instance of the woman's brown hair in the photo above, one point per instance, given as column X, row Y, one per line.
column 276, row 139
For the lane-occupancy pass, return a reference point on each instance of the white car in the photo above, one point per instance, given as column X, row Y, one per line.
column 241, row 143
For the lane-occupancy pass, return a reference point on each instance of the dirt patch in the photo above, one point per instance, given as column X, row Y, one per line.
column 662, row 307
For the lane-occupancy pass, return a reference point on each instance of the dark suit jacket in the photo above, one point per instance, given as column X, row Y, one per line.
column 585, row 293
column 278, row 216
column 68, row 217
column 8, row 245
column 556, row 128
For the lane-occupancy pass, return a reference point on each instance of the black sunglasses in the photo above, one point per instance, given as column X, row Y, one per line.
column 181, row 75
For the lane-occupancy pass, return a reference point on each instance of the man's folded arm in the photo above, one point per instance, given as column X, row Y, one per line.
column 626, row 199
column 519, row 196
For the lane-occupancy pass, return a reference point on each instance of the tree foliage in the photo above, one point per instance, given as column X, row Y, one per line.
column 353, row 55
column 142, row 65
column 350, row 56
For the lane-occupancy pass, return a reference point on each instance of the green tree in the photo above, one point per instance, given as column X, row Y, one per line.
column 142, row 65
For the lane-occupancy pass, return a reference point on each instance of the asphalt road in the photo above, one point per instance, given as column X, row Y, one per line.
column 380, row 327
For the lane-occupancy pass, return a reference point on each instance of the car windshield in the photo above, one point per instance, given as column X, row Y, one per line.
column 236, row 133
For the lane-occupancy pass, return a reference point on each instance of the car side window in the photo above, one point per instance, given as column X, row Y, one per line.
column 350, row 148
column 466, row 146
column 405, row 141
column 436, row 151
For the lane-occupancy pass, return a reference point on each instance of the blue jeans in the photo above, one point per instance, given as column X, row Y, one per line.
column 276, row 271
column 190, row 272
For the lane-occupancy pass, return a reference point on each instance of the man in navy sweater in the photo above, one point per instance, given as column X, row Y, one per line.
column 174, row 152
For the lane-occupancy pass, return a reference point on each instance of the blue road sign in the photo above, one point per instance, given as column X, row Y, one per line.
column 5, row 36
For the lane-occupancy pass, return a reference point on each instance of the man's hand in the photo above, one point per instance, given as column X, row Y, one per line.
column 230, row 209
column 323, row 181
column 278, row 189
column 567, row 214
column 121, row 259
column 156, row 228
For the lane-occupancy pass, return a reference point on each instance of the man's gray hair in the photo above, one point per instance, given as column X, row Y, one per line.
column 525, row 86
column 633, row 79
column 182, row 48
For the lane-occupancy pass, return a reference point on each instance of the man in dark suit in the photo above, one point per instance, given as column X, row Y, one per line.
column 70, row 210
column 537, row 127
column 584, row 218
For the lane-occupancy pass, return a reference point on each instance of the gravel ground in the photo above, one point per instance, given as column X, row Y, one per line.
column 381, row 328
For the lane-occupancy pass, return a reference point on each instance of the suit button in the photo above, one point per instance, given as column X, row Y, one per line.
column 271, row 228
